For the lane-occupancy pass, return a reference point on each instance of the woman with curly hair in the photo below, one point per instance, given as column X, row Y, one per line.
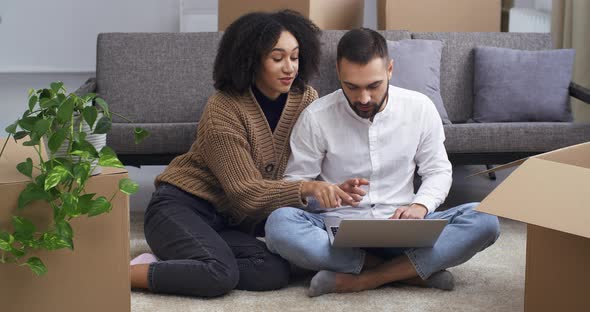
column 211, row 203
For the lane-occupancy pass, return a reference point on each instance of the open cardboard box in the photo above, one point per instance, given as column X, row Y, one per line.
column 551, row 193
column 92, row 277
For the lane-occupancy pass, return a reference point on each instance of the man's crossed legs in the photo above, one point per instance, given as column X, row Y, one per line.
column 300, row 237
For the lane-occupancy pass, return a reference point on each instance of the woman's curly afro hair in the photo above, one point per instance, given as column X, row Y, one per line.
column 251, row 37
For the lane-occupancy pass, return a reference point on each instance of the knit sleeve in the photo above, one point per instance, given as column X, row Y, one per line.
column 227, row 156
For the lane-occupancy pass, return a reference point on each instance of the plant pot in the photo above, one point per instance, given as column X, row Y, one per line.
column 97, row 140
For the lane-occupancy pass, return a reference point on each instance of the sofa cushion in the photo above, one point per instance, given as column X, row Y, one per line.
column 456, row 69
column 165, row 138
column 417, row 67
column 513, row 136
column 515, row 85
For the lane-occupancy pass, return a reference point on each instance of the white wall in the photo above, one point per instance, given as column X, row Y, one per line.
column 43, row 41
column 60, row 35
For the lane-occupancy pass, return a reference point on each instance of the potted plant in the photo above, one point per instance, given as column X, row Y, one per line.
column 73, row 128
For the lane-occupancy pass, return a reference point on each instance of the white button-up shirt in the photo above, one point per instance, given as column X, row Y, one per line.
column 330, row 142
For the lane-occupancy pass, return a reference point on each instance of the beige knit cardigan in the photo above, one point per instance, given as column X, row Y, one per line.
column 237, row 162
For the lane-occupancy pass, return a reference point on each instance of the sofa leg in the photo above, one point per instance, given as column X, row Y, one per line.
column 492, row 175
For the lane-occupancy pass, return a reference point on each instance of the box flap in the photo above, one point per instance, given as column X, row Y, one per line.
column 500, row 167
column 576, row 155
column 544, row 193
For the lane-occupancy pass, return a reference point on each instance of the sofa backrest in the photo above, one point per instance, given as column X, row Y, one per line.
column 161, row 81
column 456, row 72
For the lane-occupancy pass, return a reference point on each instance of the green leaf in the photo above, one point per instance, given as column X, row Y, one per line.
column 56, row 86
column 90, row 113
column 81, row 172
column 128, row 186
column 32, row 192
column 12, row 128
column 57, row 175
column 51, row 241
column 28, row 123
column 88, row 97
column 65, row 110
column 103, row 105
column 108, row 158
column 84, row 149
column 61, row 98
column 44, row 94
column 82, row 137
column 103, row 125
column 41, row 127
column 6, row 241
column 57, row 139
column 40, row 179
column 23, row 228
column 18, row 252
column 26, row 167
column 99, row 206
column 64, row 229
column 140, row 134
column 70, row 204
column 20, row 134
column 36, row 266
column 30, row 92
column 31, row 142
column 85, row 202
column 46, row 103
column 32, row 101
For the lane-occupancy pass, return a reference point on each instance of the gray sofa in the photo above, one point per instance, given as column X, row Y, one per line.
column 162, row 81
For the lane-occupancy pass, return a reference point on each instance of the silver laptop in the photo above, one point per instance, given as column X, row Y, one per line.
column 383, row 232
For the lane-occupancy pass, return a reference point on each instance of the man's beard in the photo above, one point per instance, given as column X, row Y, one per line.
column 369, row 113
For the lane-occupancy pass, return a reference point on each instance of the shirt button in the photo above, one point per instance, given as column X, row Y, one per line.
column 372, row 205
column 269, row 168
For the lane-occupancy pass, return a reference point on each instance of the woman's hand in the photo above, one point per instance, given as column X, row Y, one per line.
column 328, row 195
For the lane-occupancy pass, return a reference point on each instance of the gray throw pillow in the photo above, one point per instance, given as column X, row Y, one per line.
column 416, row 66
column 518, row 85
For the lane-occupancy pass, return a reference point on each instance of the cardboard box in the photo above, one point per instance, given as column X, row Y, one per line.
column 440, row 16
column 341, row 14
column 92, row 277
column 549, row 192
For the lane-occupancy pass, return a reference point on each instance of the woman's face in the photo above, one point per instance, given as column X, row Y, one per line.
column 279, row 67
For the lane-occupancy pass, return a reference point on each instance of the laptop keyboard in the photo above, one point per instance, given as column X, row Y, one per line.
column 334, row 229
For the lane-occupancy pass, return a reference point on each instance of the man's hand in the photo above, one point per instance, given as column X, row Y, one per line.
column 328, row 195
column 414, row 211
column 352, row 187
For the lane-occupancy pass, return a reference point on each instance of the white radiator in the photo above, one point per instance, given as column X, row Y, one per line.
column 528, row 20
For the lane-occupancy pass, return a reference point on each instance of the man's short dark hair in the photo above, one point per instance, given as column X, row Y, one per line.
column 251, row 37
column 361, row 45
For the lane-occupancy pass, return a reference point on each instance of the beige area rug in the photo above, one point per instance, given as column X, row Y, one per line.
column 491, row 281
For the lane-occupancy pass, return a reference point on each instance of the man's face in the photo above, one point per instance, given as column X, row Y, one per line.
column 365, row 86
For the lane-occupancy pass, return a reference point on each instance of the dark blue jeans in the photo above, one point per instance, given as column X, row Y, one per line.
column 200, row 254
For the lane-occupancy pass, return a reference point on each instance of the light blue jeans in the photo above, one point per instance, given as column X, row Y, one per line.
column 300, row 237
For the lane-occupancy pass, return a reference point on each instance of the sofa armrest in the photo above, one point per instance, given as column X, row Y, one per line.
column 88, row 87
column 580, row 92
